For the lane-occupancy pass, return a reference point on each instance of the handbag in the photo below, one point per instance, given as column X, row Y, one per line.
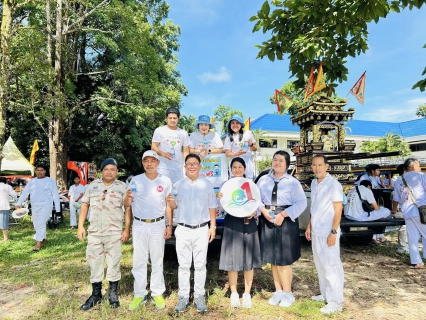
column 366, row 206
column 422, row 209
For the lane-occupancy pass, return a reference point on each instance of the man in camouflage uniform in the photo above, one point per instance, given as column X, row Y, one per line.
column 106, row 198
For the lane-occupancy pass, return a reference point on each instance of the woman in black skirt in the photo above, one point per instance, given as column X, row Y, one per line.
column 283, row 200
column 240, row 246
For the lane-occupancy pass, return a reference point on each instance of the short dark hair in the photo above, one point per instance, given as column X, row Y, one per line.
column 41, row 166
column 172, row 110
column 285, row 154
column 193, row 155
column 372, row 167
column 320, row 155
column 90, row 179
column 366, row 183
column 3, row 179
column 400, row 169
column 409, row 163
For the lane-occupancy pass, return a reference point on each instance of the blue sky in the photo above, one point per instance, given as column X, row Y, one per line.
column 218, row 62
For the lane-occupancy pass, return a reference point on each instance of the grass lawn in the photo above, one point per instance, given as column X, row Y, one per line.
column 53, row 283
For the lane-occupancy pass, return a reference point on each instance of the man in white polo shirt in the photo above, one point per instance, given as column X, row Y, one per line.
column 149, row 230
column 324, row 231
column 196, row 204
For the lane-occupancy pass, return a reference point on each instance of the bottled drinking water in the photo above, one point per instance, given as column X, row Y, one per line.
column 173, row 153
column 273, row 215
column 245, row 145
column 133, row 187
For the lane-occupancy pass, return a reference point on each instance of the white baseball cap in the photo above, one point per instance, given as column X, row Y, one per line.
column 150, row 153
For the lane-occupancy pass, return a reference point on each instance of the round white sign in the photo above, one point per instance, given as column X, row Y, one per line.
column 241, row 197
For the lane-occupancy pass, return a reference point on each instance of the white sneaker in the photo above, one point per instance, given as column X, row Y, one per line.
column 287, row 300
column 276, row 298
column 247, row 300
column 331, row 308
column 402, row 250
column 235, row 299
column 319, row 298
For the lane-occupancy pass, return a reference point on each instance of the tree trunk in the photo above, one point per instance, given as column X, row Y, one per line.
column 6, row 25
column 57, row 145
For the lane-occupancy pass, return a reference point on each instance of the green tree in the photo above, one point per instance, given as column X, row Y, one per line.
column 390, row 142
column 222, row 115
column 187, row 123
column 310, row 31
column 421, row 111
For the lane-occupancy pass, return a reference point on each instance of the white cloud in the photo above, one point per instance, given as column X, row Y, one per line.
column 196, row 11
column 222, row 75
column 403, row 112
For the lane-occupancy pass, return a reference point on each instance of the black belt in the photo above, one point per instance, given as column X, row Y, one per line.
column 149, row 220
column 277, row 208
column 193, row 227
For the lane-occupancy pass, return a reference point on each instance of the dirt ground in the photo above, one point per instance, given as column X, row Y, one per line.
column 379, row 284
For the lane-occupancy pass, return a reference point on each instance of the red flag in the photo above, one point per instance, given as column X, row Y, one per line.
column 282, row 100
column 320, row 83
column 309, row 91
column 359, row 88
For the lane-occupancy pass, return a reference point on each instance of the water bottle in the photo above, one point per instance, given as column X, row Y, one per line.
column 173, row 153
column 245, row 145
column 174, row 193
column 273, row 215
column 206, row 143
column 133, row 187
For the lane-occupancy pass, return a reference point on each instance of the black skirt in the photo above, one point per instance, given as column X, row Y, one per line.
column 240, row 245
column 280, row 245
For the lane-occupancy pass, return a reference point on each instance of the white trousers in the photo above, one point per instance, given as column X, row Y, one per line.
column 374, row 215
column 329, row 268
column 73, row 211
column 402, row 238
column 148, row 240
column 414, row 229
column 40, row 216
column 192, row 243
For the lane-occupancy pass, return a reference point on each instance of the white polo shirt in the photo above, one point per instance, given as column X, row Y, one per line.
column 150, row 196
column 171, row 141
column 375, row 182
column 6, row 191
column 76, row 191
column 210, row 141
column 322, row 210
column 194, row 199
column 417, row 183
column 354, row 206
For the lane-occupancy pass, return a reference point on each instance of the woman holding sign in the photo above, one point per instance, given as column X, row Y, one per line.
column 240, row 246
column 240, row 143
column 283, row 200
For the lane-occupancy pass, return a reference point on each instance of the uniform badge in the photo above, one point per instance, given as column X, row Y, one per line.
column 160, row 189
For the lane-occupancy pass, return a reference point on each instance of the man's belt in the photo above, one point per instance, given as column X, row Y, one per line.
column 277, row 208
column 149, row 220
column 193, row 227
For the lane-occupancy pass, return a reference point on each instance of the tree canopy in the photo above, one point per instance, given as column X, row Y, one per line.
column 310, row 31
column 390, row 142
column 223, row 114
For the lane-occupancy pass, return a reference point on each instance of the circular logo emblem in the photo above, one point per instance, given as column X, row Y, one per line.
column 160, row 189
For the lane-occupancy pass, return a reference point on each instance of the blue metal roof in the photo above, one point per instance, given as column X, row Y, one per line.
column 275, row 122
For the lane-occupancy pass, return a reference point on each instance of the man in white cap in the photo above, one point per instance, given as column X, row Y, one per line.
column 172, row 145
column 106, row 197
column 44, row 193
column 149, row 230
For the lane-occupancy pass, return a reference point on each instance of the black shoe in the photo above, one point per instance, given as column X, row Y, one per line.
column 112, row 294
column 95, row 298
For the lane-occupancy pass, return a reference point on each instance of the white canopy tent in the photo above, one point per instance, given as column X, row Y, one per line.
column 14, row 161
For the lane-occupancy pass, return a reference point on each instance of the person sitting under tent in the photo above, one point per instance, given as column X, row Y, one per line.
column 353, row 208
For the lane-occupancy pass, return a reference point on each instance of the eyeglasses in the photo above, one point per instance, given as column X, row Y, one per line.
column 103, row 194
column 192, row 165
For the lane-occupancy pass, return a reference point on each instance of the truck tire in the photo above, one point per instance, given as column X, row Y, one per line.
column 364, row 240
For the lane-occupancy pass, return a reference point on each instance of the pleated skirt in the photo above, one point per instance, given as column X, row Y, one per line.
column 240, row 245
column 279, row 245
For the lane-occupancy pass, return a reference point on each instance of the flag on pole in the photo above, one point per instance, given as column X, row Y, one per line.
column 212, row 122
column 359, row 88
column 320, row 83
column 247, row 124
column 309, row 91
column 33, row 151
column 282, row 100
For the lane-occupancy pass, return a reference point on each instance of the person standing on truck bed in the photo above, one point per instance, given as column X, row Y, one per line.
column 283, row 201
column 324, row 231
column 354, row 210
column 416, row 181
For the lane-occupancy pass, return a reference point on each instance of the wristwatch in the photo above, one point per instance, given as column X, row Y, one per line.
column 169, row 226
column 333, row 231
column 212, row 227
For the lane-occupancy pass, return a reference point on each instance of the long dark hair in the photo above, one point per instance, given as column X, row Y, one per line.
column 231, row 133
